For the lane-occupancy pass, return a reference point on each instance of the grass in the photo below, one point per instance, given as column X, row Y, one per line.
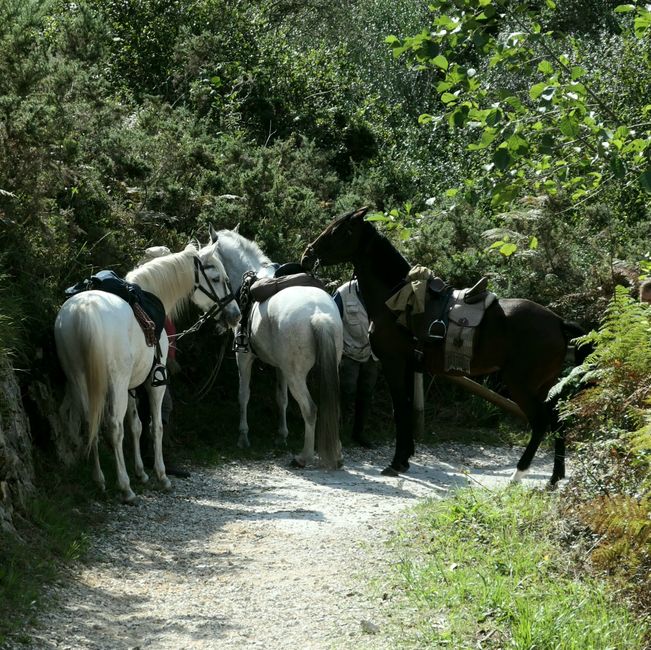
column 489, row 570
column 54, row 534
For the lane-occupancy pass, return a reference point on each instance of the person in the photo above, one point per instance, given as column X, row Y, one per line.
column 645, row 291
column 359, row 368
column 173, row 367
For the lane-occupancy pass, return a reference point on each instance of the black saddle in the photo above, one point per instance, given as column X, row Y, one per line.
column 111, row 282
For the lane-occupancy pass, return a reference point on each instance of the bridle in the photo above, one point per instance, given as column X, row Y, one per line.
column 219, row 303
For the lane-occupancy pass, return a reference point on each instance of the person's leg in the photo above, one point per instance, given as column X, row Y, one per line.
column 144, row 415
column 166, row 415
column 348, row 375
column 366, row 381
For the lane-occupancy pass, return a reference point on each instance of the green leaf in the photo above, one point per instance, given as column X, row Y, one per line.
column 569, row 127
column 508, row 249
column 536, row 90
column 578, row 71
column 551, row 4
column 545, row 67
column 424, row 118
column 448, row 98
column 502, row 158
column 622, row 9
column 441, row 62
column 533, row 244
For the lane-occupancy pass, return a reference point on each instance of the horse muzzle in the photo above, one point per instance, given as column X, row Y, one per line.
column 309, row 260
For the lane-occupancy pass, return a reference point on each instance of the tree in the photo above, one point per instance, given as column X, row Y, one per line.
column 542, row 115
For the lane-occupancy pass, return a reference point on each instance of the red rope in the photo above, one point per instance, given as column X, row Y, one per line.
column 146, row 324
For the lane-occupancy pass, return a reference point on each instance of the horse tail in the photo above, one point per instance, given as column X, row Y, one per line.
column 572, row 330
column 93, row 379
column 327, row 421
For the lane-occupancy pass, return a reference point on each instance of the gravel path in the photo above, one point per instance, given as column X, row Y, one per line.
column 254, row 555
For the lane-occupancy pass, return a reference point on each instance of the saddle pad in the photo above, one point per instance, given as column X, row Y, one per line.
column 462, row 326
column 110, row 282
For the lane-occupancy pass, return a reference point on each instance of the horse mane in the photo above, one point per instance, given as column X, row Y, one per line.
column 170, row 278
column 390, row 261
column 245, row 247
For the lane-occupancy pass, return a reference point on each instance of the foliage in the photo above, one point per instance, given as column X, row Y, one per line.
column 533, row 109
column 611, row 415
column 491, row 569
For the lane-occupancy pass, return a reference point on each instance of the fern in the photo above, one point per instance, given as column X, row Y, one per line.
column 611, row 413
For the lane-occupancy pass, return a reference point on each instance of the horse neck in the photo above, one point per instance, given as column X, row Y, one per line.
column 238, row 258
column 170, row 278
column 380, row 269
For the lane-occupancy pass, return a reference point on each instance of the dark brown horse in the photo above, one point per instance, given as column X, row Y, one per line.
column 524, row 340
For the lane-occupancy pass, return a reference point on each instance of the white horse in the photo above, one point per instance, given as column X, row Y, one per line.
column 295, row 330
column 104, row 353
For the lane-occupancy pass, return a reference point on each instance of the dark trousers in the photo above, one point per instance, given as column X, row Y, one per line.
column 357, row 382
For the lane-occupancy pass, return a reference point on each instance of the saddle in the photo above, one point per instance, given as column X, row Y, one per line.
column 147, row 309
column 260, row 289
column 435, row 312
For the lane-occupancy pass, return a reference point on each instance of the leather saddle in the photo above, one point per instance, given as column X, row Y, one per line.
column 440, row 299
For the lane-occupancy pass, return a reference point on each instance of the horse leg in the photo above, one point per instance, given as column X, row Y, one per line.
column 156, row 394
column 244, row 366
column 281, row 400
column 135, row 426
column 98, row 475
column 116, row 428
column 298, row 388
column 400, row 378
column 557, row 429
column 538, row 413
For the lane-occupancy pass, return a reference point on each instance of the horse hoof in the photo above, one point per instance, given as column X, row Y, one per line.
column 280, row 441
column 297, row 464
column 144, row 477
column 129, row 499
column 243, row 443
column 340, row 463
column 390, row 471
column 166, row 484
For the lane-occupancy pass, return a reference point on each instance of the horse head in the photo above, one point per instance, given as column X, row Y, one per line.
column 212, row 291
column 338, row 243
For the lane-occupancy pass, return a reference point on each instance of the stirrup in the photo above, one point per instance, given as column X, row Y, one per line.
column 159, row 376
column 241, row 343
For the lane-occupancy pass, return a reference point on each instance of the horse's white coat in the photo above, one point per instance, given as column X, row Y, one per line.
column 287, row 332
column 104, row 354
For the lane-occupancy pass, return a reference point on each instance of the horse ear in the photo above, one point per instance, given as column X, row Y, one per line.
column 360, row 213
column 237, row 228
column 213, row 234
column 193, row 245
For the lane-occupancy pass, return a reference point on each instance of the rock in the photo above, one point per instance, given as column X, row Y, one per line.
column 16, row 461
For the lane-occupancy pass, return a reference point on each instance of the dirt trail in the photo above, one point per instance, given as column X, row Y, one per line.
column 255, row 555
